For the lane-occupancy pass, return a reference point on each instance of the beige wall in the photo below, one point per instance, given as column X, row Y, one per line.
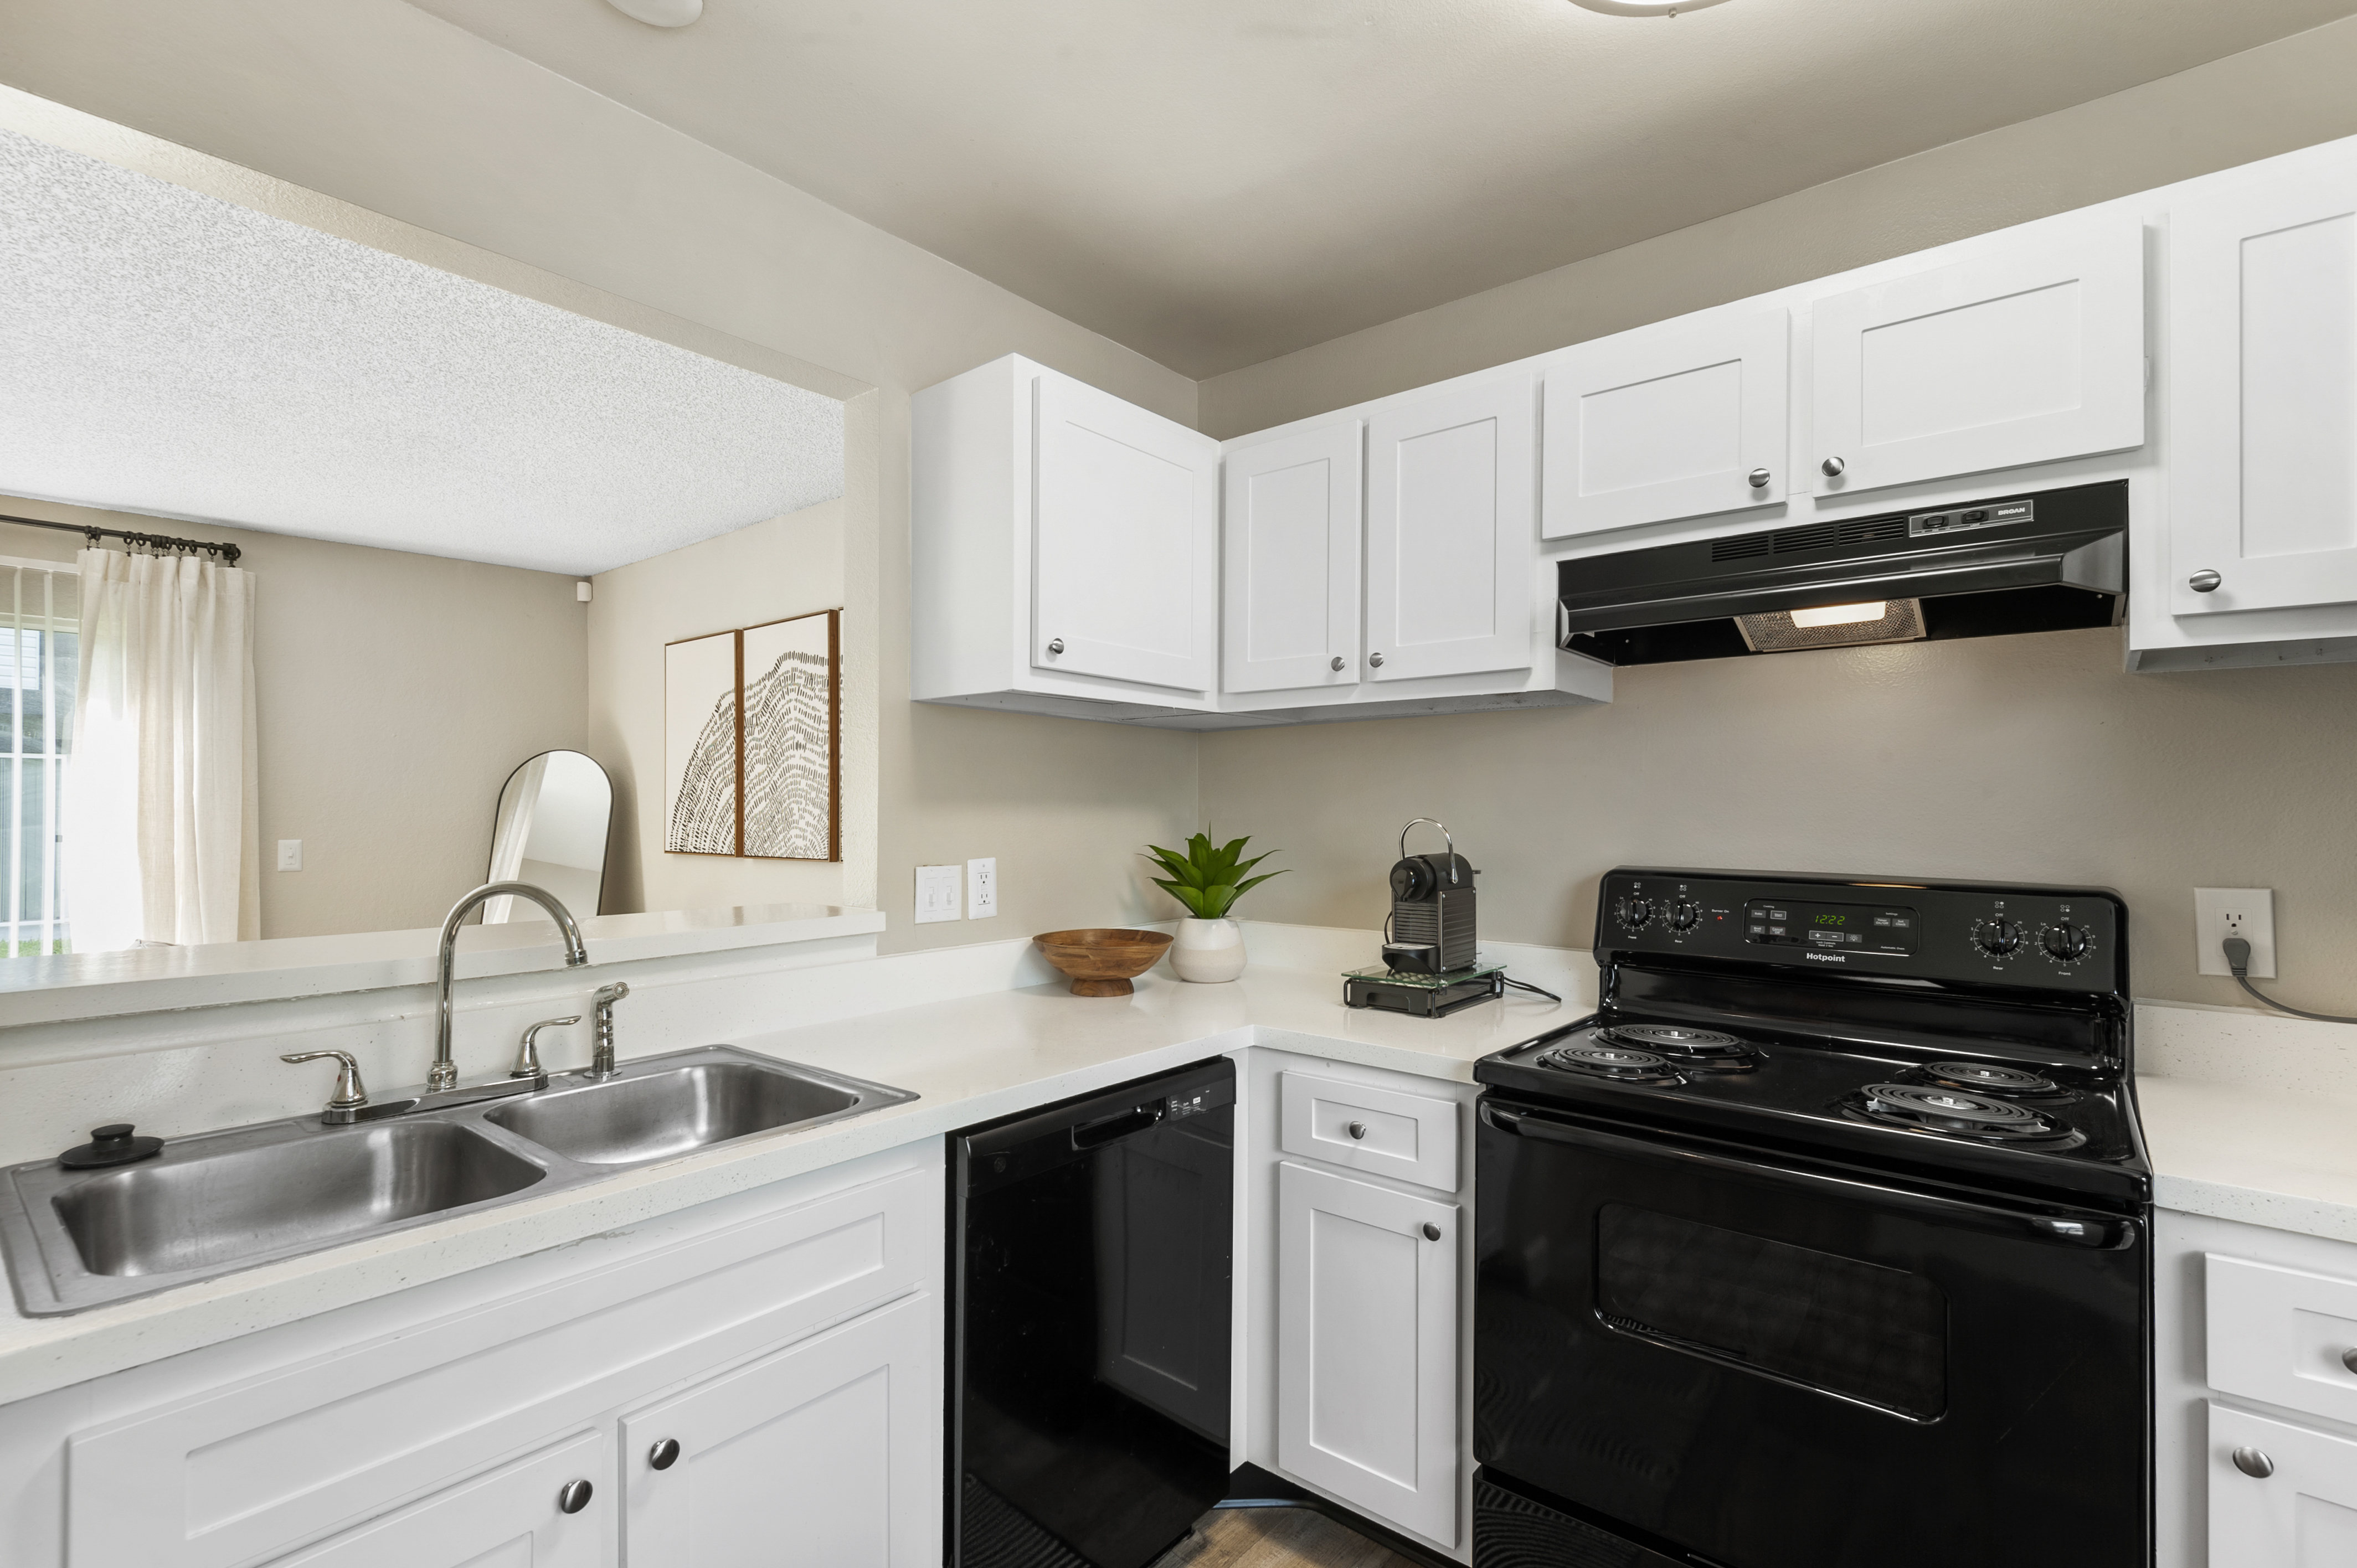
column 394, row 694
column 789, row 565
column 2292, row 93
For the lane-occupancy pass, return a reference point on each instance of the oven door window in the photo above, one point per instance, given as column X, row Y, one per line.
column 1858, row 1330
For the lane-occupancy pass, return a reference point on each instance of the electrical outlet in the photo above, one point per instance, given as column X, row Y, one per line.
column 937, row 894
column 290, row 854
column 2245, row 912
column 981, row 888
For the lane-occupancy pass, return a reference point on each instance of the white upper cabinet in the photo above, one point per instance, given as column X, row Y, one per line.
column 1678, row 420
column 2030, row 353
column 2263, row 400
column 1452, row 531
column 1291, row 608
column 1126, row 540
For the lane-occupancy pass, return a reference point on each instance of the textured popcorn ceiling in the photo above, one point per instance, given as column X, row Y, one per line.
column 167, row 353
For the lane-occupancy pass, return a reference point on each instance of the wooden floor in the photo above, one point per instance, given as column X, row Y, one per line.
column 1276, row 1538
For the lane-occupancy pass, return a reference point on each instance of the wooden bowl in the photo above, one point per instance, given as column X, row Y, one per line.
column 1101, row 960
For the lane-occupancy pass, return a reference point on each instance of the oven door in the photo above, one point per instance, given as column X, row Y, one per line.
column 1770, row 1366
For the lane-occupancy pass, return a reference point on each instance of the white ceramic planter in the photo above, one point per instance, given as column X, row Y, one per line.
column 1208, row 950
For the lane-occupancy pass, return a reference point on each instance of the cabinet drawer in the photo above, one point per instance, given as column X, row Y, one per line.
column 510, row 1514
column 1387, row 1131
column 284, row 1458
column 2278, row 1335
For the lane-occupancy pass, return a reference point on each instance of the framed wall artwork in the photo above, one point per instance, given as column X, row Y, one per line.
column 753, row 741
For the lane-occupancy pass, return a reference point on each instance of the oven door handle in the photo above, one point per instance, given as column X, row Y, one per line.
column 2068, row 1228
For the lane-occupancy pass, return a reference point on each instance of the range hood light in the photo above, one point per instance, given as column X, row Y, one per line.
column 1839, row 615
column 1835, row 625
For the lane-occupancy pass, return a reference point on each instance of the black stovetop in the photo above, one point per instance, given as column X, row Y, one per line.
column 1944, row 1060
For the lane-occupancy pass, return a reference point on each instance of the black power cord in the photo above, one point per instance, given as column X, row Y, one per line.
column 2238, row 959
column 1526, row 985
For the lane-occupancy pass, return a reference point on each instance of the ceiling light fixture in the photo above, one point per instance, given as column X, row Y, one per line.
column 679, row 13
column 1645, row 7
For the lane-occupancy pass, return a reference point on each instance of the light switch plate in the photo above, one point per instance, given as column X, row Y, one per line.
column 937, row 894
column 2245, row 912
column 290, row 854
column 981, row 888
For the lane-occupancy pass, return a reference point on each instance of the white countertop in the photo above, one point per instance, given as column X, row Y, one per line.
column 55, row 987
column 2280, row 1155
column 969, row 1060
column 2276, row 1157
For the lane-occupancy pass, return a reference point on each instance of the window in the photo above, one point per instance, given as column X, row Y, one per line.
column 40, row 619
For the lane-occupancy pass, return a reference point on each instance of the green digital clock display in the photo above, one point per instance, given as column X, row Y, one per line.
column 1832, row 920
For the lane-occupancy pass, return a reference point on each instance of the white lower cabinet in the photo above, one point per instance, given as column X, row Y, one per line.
column 1367, row 1347
column 2299, row 1510
column 511, row 1518
column 825, row 1455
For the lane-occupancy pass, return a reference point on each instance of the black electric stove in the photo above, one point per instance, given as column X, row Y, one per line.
column 1834, row 1211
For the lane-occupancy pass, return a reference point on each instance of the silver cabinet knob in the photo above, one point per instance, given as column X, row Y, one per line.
column 1357, row 1129
column 1833, row 467
column 2348, row 1359
column 1056, row 645
column 2253, row 1464
column 1376, row 659
column 1758, row 478
column 574, row 1496
column 1431, row 1232
column 664, row 1455
column 2204, row 582
column 1336, row 665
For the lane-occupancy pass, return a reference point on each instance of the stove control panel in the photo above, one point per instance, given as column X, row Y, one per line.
column 2047, row 938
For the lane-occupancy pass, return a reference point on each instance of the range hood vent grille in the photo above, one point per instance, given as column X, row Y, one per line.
column 1738, row 547
column 1822, row 536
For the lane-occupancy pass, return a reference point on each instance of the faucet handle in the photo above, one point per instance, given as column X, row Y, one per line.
column 350, row 1095
column 528, row 1053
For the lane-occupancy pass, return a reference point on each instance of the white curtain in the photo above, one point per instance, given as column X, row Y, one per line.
column 162, row 840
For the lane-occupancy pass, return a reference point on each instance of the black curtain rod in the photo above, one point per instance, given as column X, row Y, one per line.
column 227, row 553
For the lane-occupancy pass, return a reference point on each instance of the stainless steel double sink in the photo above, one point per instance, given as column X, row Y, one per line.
column 215, row 1202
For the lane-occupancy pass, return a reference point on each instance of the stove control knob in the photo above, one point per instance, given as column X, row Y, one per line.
column 1636, row 913
column 1682, row 916
column 2063, row 942
column 1997, row 937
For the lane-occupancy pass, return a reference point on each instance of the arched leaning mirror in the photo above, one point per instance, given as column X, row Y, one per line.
column 551, row 831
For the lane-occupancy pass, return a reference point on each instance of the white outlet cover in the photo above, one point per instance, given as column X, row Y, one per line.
column 2217, row 910
column 937, row 894
column 981, row 888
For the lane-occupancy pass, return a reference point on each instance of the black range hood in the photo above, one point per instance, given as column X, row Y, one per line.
column 2047, row 561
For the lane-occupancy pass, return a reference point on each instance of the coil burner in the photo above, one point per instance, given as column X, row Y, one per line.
column 1954, row 1114
column 1988, row 1078
column 1707, row 1049
column 1616, row 1062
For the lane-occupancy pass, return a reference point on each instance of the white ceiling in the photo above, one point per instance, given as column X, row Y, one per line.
column 170, row 354
column 1218, row 182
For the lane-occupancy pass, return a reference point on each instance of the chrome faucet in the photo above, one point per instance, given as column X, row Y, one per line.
column 445, row 1075
column 601, row 1062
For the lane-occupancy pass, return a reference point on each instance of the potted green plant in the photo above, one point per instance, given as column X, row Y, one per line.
column 1208, row 879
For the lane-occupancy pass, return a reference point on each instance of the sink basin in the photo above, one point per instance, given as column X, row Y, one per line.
column 650, row 1115
column 215, row 1202
column 170, row 1216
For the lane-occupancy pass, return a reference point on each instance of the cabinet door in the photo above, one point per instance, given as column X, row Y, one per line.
column 1126, row 540
column 1366, row 1346
column 826, row 1455
column 1679, row 420
column 508, row 1519
column 2262, row 395
column 2303, row 1514
column 1290, row 530
column 1452, row 534
column 2031, row 353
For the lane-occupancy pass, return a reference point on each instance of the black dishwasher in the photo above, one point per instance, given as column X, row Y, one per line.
column 1089, row 1315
